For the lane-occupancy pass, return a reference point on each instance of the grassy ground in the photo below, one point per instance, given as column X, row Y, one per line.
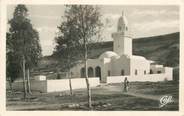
column 141, row 96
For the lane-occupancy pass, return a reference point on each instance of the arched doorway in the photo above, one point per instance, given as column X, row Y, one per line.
column 98, row 72
column 82, row 72
column 122, row 72
column 90, row 72
column 109, row 73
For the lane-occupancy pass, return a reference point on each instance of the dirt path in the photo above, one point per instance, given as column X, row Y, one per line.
column 151, row 97
column 117, row 89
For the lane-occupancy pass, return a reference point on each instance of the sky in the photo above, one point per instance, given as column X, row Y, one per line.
column 143, row 21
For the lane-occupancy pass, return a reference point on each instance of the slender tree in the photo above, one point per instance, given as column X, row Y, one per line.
column 33, row 53
column 84, row 25
column 66, row 45
column 24, row 41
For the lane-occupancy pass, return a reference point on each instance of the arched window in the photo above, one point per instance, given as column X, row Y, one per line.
column 144, row 71
column 109, row 73
column 98, row 72
column 82, row 72
column 135, row 71
column 90, row 72
column 122, row 72
column 159, row 72
column 151, row 71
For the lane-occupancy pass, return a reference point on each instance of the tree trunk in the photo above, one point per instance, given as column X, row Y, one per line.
column 28, row 81
column 88, row 85
column 11, row 88
column 69, row 76
column 10, row 84
column 24, row 77
column 70, row 83
column 87, row 80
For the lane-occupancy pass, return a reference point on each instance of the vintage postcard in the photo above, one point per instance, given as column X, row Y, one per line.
column 120, row 57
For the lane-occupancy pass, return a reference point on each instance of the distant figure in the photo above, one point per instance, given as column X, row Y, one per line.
column 126, row 84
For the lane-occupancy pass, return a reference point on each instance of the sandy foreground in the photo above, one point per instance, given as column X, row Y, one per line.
column 140, row 97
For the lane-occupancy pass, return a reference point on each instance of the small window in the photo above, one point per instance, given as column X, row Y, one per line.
column 126, row 28
column 151, row 71
column 159, row 72
column 145, row 72
column 122, row 72
column 136, row 72
column 109, row 73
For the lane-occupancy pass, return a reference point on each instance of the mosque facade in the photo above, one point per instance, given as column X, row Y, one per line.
column 120, row 61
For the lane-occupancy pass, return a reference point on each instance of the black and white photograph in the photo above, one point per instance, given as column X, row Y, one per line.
column 92, row 57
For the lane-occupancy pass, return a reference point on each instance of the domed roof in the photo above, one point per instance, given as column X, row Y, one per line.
column 109, row 54
column 138, row 57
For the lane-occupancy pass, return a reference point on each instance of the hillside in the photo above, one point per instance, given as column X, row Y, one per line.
column 163, row 49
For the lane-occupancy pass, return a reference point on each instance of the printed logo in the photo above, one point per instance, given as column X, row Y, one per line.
column 165, row 100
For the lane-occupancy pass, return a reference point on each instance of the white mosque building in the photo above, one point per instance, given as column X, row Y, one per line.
column 121, row 61
column 110, row 67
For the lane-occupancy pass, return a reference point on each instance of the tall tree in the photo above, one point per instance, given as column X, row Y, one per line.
column 84, row 26
column 12, row 64
column 66, row 45
column 24, row 41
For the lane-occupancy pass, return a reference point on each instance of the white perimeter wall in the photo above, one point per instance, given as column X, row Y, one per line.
column 56, row 85
column 77, row 83
column 63, row 84
column 142, row 78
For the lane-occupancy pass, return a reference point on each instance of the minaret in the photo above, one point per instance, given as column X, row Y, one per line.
column 122, row 24
column 122, row 42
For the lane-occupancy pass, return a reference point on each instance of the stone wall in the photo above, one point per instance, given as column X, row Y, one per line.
column 56, row 85
column 63, row 84
column 142, row 78
column 77, row 83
